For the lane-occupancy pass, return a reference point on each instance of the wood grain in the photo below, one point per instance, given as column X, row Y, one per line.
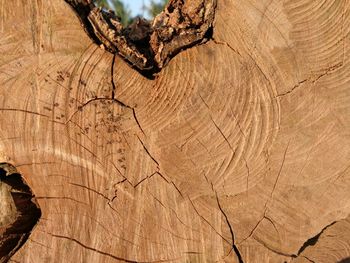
column 239, row 147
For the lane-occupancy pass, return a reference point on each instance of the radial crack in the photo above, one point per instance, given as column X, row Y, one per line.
column 234, row 247
column 326, row 72
column 104, row 253
column 308, row 259
column 205, row 220
column 137, row 121
column 147, row 151
column 112, row 77
column 313, row 240
column 218, row 42
column 91, row 190
column 280, row 170
column 273, row 250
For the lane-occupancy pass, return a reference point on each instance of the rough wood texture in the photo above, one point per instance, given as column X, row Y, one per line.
column 146, row 45
column 239, row 148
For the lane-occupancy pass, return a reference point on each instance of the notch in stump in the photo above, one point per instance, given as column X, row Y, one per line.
column 148, row 45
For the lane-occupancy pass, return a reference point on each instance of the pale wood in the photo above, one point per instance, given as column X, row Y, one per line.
column 249, row 132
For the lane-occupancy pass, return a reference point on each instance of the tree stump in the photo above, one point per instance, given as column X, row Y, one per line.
column 237, row 151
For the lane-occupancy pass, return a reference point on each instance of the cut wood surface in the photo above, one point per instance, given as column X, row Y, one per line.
column 237, row 151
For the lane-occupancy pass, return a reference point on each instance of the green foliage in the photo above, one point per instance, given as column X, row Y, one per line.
column 120, row 9
column 154, row 8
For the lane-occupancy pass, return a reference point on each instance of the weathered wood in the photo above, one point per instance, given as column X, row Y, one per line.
column 148, row 45
column 239, row 147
